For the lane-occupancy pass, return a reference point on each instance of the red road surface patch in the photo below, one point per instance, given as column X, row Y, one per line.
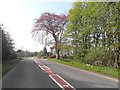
column 40, row 64
column 49, row 72
column 62, row 83
column 55, row 77
column 45, row 67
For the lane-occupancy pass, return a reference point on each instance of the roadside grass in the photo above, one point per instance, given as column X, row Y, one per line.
column 8, row 65
column 101, row 70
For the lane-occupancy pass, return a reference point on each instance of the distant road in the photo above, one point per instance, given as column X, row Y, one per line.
column 46, row 74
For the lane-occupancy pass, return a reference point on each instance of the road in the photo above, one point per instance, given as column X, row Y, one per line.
column 29, row 74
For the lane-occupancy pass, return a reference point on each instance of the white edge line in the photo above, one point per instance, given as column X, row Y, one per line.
column 66, row 82
column 40, row 67
column 56, row 82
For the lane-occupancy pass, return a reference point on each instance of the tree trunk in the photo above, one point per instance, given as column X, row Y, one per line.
column 57, row 49
column 58, row 55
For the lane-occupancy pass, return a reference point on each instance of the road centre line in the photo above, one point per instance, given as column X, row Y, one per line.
column 56, row 82
column 45, row 67
column 48, row 68
column 35, row 61
column 66, row 82
column 56, row 78
column 62, row 82
column 40, row 67
column 49, row 72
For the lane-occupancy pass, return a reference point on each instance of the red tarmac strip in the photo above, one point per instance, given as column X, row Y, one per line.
column 61, row 82
column 56, row 78
column 45, row 68
column 49, row 72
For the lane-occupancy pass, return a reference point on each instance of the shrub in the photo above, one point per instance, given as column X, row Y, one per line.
column 98, row 56
column 40, row 55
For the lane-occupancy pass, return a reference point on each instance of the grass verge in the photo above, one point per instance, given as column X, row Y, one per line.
column 8, row 65
column 112, row 72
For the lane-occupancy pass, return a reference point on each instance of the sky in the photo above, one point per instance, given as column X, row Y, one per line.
column 18, row 17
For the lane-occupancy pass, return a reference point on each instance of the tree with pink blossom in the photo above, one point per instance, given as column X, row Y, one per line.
column 50, row 24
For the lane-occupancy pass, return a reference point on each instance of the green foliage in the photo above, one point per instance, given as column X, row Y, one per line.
column 7, row 65
column 7, row 46
column 97, row 56
column 102, row 70
column 40, row 54
column 94, row 32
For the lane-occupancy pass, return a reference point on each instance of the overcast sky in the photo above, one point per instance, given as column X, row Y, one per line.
column 18, row 18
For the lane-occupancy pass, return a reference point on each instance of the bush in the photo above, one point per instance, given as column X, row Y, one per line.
column 40, row 54
column 98, row 56
column 65, row 56
column 12, row 56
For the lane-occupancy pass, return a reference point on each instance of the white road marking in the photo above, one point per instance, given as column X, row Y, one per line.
column 57, row 76
column 40, row 67
column 35, row 61
column 47, row 67
column 56, row 82
column 66, row 82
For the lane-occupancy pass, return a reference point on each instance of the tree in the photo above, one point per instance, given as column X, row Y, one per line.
column 95, row 25
column 50, row 24
column 40, row 54
column 7, row 46
column 1, row 41
column 19, row 53
column 45, row 51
